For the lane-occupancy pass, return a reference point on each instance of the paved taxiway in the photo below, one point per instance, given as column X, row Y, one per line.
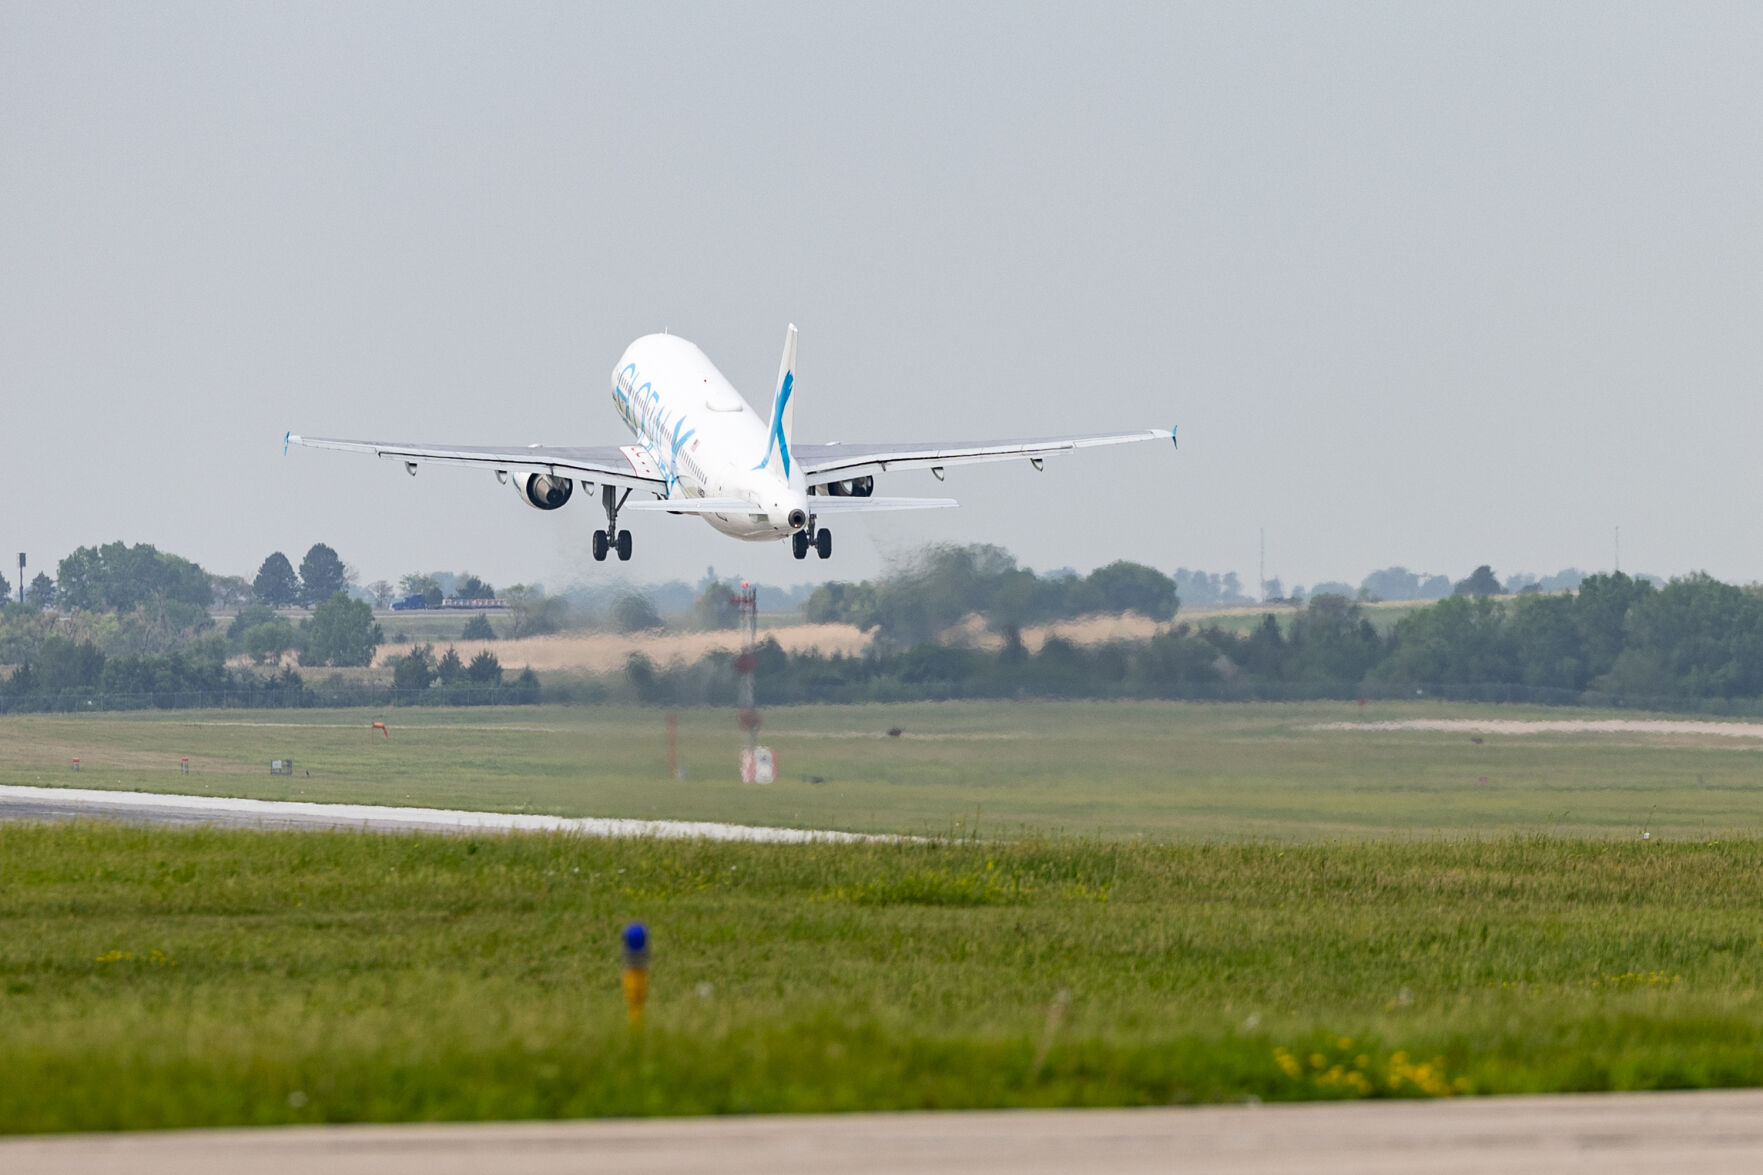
column 1610, row 1134
column 65, row 803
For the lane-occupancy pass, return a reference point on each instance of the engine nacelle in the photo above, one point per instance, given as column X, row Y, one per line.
column 857, row 487
column 542, row 491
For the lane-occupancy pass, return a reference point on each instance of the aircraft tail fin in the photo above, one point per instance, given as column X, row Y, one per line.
column 783, row 416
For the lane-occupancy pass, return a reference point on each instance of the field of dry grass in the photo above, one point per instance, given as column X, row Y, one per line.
column 607, row 652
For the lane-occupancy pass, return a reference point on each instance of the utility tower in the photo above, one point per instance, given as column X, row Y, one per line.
column 757, row 764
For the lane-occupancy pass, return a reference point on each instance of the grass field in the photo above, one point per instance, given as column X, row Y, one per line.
column 175, row 977
column 1165, row 771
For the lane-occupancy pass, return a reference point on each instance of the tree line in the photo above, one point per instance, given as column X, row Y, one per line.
column 1616, row 637
column 946, row 583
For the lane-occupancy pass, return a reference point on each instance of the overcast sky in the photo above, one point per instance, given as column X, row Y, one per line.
column 1425, row 284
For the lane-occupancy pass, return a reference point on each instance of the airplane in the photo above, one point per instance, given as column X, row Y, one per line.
column 701, row 449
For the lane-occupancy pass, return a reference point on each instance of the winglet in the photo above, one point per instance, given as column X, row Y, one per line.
column 286, row 437
column 783, row 415
column 1172, row 439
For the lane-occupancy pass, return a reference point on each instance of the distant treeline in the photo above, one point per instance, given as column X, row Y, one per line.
column 137, row 633
column 1695, row 639
column 69, row 675
column 919, row 601
column 914, row 603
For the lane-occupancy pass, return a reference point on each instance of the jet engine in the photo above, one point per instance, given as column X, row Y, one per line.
column 857, row 487
column 543, row 491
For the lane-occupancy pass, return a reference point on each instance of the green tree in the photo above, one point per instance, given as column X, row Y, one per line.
column 841, row 603
column 1331, row 640
column 1456, row 640
column 1398, row 583
column 118, row 577
column 1547, row 643
column 41, row 592
column 426, row 586
column 532, row 613
column 5, row 589
column 63, row 664
column 1175, row 658
column 484, row 669
column 1695, row 636
column 936, row 590
column 634, row 613
column 470, row 587
column 450, row 669
column 321, row 575
column 478, row 629
column 342, row 632
column 1131, row 587
column 248, row 617
column 230, row 591
column 415, row 670
column 276, row 584
column 265, row 641
column 1601, row 606
column 1482, row 582
column 1263, row 653
column 714, row 608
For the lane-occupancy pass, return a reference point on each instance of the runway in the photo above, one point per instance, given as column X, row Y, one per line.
column 1610, row 1134
column 66, row 803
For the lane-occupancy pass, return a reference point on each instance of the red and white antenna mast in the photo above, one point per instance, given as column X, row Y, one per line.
column 757, row 763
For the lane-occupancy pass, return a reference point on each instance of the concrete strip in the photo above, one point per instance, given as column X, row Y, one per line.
column 1557, row 726
column 62, row 803
column 1609, row 1134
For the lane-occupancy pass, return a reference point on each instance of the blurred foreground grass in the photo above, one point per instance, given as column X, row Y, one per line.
column 175, row 977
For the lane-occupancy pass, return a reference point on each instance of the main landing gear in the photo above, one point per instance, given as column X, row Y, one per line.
column 820, row 538
column 612, row 539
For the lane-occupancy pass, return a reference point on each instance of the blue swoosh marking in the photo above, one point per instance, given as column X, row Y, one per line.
column 777, row 427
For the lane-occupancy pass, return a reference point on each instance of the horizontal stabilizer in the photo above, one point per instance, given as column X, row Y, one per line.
column 819, row 505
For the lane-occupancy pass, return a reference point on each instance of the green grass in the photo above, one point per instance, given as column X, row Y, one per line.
column 1168, row 771
column 155, row 977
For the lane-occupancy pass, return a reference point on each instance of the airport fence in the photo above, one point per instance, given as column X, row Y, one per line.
column 887, row 690
column 322, row 698
column 878, row 690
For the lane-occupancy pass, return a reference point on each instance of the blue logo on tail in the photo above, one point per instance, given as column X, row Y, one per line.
column 778, row 440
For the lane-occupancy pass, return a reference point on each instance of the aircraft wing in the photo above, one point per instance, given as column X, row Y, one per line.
column 823, row 462
column 628, row 466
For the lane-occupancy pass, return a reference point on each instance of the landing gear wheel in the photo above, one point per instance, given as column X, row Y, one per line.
column 612, row 538
column 823, row 543
column 799, row 544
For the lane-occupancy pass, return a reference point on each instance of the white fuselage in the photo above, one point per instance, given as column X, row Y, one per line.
column 703, row 437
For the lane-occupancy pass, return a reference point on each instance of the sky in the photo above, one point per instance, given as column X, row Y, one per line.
column 1433, row 285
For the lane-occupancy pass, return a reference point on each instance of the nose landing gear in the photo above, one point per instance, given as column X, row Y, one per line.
column 612, row 539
